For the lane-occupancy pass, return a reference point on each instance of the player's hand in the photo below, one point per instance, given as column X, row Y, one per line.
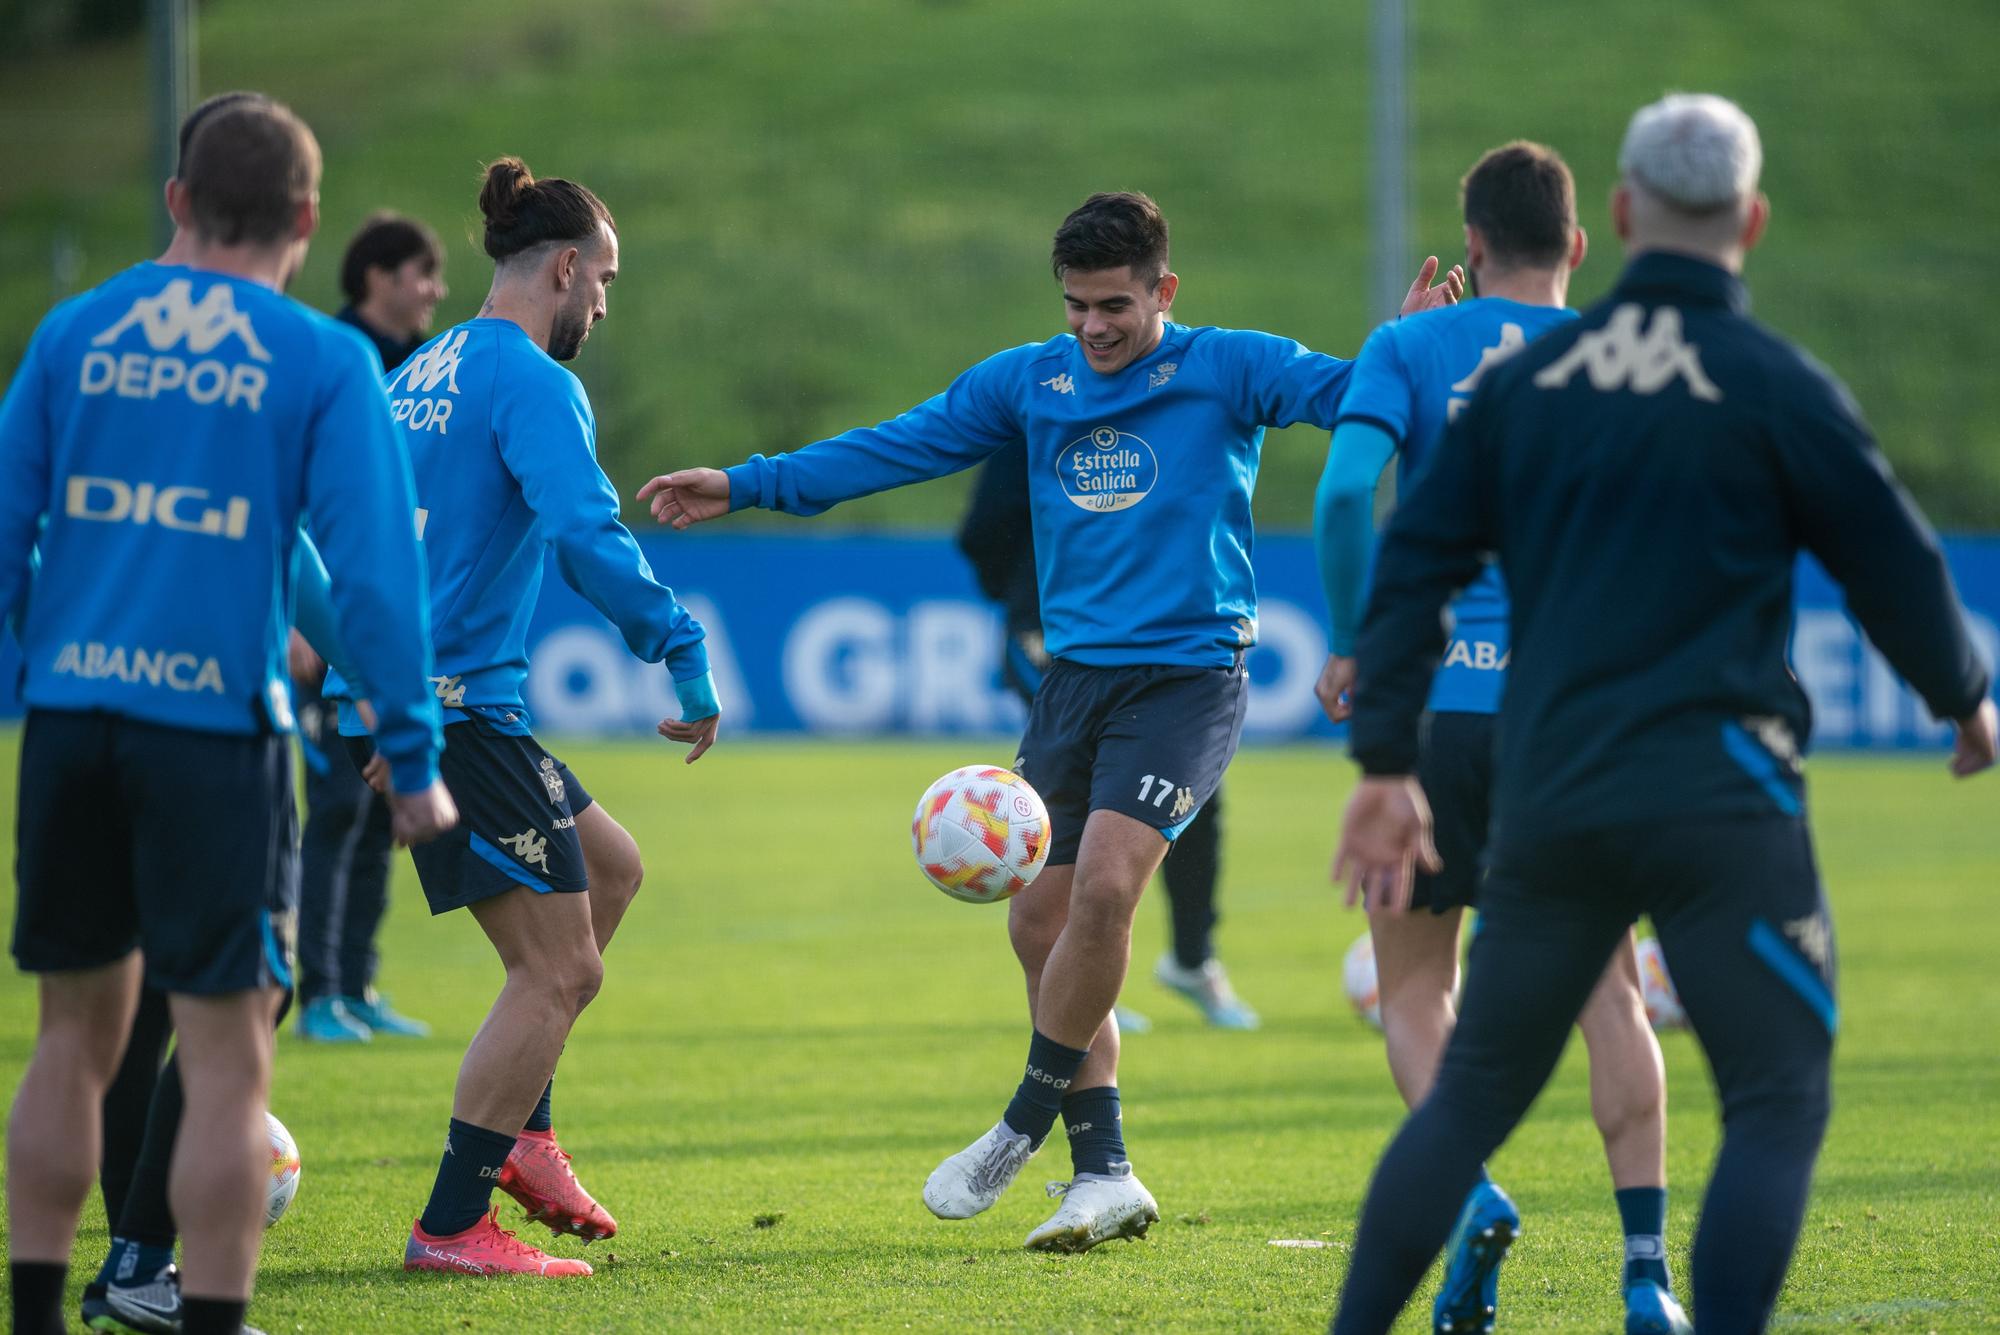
column 1385, row 837
column 418, row 818
column 699, row 731
column 1424, row 297
column 1977, row 744
column 376, row 773
column 689, row 496
column 307, row 668
column 1336, row 679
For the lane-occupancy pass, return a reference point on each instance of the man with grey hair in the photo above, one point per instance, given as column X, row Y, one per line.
column 1647, row 476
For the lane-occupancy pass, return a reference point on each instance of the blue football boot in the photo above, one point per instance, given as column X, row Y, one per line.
column 1470, row 1295
column 375, row 1013
column 325, row 1020
column 1650, row 1309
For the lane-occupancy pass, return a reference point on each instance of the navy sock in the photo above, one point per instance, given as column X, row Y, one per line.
column 38, row 1296
column 213, row 1316
column 466, row 1174
column 134, row 1262
column 1644, row 1213
column 1051, row 1067
column 540, row 1119
column 1096, row 1129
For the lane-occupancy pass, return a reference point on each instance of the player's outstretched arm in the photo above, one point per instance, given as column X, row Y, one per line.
column 689, row 497
column 1424, row 296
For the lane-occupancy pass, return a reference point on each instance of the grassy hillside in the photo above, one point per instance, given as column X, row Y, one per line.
column 829, row 207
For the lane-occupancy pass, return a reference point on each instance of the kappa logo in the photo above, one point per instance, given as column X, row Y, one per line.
column 1813, row 935
column 1246, row 632
column 1161, row 375
column 450, row 691
column 1512, row 340
column 1061, row 384
column 1183, row 803
column 530, row 847
column 1619, row 356
column 170, row 319
column 1776, row 736
column 433, row 366
column 553, row 780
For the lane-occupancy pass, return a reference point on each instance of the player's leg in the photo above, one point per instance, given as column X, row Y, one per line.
column 1628, row 1100
column 1416, row 977
column 1190, row 965
column 1746, row 931
column 131, row 1095
column 367, row 903
column 337, row 803
column 1548, row 925
column 537, row 1173
column 221, row 1165
column 1035, row 919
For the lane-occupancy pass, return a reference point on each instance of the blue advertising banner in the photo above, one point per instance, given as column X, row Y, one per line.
column 871, row 634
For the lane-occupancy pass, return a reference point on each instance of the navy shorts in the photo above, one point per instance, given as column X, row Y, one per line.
column 517, row 810
column 179, row 843
column 1147, row 742
column 1455, row 767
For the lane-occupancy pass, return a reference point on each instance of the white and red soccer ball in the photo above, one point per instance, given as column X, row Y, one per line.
column 284, row 1170
column 1357, row 977
column 1656, row 985
column 981, row 833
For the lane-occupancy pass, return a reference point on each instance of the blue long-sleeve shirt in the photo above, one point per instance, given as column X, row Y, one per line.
column 1411, row 378
column 504, row 447
column 162, row 439
column 1647, row 476
column 1139, row 481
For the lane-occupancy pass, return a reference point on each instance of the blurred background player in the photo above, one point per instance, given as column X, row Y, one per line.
column 998, row 538
column 393, row 277
column 1142, row 706
column 124, row 863
column 504, row 448
column 1521, row 240
column 1647, row 476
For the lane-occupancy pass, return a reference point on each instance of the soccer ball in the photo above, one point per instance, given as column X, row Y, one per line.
column 1357, row 975
column 981, row 833
column 1656, row 985
column 284, row 1170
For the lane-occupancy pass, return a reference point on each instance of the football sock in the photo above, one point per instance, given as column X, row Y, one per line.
column 1096, row 1129
column 1051, row 1067
column 540, row 1119
column 134, row 1262
column 1190, row 873
column 109, row 1270
column 466, row 1174
column 1644, row 1212
column 213, row 1316
column 38, row 1295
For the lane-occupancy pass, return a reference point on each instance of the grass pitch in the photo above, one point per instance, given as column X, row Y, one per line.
column 794, row 1029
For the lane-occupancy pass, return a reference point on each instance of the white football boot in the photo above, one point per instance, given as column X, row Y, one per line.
column 971, row 1180
column 1096, row 1207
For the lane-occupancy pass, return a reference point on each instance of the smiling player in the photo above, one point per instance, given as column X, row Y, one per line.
column 1143, row 439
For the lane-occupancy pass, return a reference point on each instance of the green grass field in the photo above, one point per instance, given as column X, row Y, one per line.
column 795, row 1026
column 829, row 208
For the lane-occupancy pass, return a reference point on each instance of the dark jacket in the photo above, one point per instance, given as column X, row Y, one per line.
column 393, row 352
column 1647, row 476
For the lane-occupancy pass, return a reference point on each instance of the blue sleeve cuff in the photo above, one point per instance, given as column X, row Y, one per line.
column 748, row 484
column 414, row 775
column 697, row 697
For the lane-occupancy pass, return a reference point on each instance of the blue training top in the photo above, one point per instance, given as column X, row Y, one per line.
column 505, row 451
column 162, row 440
column 1412, row 377
column 1140, row 480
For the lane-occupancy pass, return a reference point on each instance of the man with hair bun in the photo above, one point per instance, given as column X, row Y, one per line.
column 1143, row 438
column 166, row 431
column 1647, row 476
column 504, row 448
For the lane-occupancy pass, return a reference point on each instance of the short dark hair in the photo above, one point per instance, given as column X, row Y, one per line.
column 522, row 213
column 249, row 167
column 1109, row 231
column 219, row 102
column 1522, row 199
column 387, row 241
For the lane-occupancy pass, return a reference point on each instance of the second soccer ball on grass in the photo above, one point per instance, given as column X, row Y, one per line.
column 981, row 833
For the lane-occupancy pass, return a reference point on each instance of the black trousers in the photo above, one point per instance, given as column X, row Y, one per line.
column 1739, row 910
